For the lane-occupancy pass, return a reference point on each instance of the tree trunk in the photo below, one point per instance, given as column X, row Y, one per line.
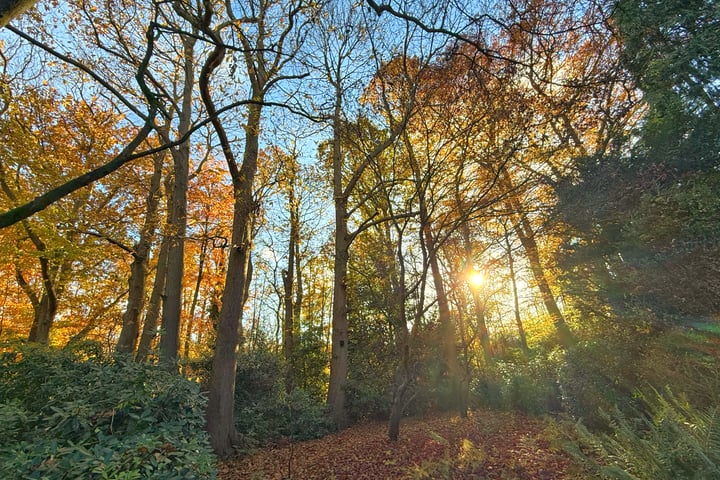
column 43, row 319
column 479, row 307
column 138, row 269
column 172, row 305
column 478, row 304
column 447, row 327
column 288, row 281
column 196, row 294
column 516, row 300
column 527, row 238
column 524, row 230
column 339, row 342
column 402, row 340
column 10, row 9
column 45, row 307
column 402, row 379
column 221, row 396
column 152, row 315
column 339, row 345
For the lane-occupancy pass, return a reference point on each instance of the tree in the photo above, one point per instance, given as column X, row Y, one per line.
column 292, row 274
column 13, row 8
column 177, row 217
column 641, row 246
column 127, row 341
column 80, row 134
column 127, row 154
column 265, row 52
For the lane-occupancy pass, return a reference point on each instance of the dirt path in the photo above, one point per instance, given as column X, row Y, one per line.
column 487, row 445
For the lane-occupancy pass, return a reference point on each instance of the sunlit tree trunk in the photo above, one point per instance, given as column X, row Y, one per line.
column 299, row 293
column 478, row 303
column 221, row 392
column 44, row 308
column 196, row 293
column 516, row 300
column 290, row 310
column 447, row 326
column 220, row 413
column 525, row 233
column 402, row 337
column 152, row 314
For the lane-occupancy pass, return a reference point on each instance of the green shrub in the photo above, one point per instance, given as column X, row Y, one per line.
column 529, row 386
column 486, row 390
column 98, row 420
column 366, row 400
column 264, row 412
column 532, row 387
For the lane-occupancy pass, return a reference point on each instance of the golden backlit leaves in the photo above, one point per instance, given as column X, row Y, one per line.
column 50, row 138
column 490, row 134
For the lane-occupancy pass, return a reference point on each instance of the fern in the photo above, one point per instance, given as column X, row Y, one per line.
column 675, row 442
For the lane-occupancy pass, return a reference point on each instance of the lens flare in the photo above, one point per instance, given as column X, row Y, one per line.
column 476, row 278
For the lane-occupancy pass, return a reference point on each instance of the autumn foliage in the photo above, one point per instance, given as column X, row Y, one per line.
column 320, row 215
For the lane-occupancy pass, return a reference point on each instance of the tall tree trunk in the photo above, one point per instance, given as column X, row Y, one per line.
column 478, row 304
column 339, row 342
column 297, row 306
column 193, row 305
column 525, row 232
column 458, row 384
column 402, row 338
column 172, row 305
column 220, row 413
column 431, row 246
column 288, row 281
column 220, row 409
column 138, row 269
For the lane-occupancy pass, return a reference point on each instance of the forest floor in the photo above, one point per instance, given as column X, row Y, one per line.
column 486, row 445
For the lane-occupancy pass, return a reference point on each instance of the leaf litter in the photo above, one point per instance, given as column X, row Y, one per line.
column 486, row 445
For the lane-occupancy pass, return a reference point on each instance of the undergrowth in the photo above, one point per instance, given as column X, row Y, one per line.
column 63, row 417
column 674, row 442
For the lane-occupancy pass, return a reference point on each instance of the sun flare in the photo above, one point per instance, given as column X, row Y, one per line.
column 476, row 278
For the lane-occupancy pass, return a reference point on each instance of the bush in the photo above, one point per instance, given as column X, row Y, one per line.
column 367, row 401
column 264, row 412
column 527, row 386
column 65, row 418
column 486, row 390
